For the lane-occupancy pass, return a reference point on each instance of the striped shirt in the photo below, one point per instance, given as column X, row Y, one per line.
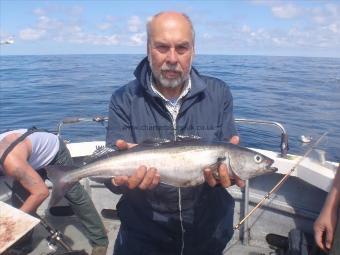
column 173, row 104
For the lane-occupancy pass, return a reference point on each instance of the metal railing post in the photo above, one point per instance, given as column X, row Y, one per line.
column 284, row 136
column 246, row 210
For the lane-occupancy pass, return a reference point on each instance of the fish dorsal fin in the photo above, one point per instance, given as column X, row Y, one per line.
column 154, row 142
column 98, row 153
column 188, row 138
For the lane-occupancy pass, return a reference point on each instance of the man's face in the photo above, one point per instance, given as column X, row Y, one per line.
column 170, row 50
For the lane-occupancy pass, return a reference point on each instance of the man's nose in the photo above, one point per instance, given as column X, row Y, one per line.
column 172, row 57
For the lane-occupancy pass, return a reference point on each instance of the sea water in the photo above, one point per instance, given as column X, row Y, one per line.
column 301, row 93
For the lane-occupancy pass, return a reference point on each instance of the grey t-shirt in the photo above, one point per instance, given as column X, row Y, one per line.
column 45, row 147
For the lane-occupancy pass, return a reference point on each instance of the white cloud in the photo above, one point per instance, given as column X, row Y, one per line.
column 302, row 29
column 319, row 19
column 102, row 39
column 57, row 25
column 327, row 20
column 138, row 39
column 76, row 10
column 286, row 11
column 75, row 34
column 39, row 11
column 107, row 23
column 333, row 9
column 47, row 23
column 281, row 9
column 245, row 29
column 134, row 24
column 335, row 28
column 31, row 34
column 206, row 36
column 110, row 18
column 104, row 26
column 82, row 38
column 67, row 28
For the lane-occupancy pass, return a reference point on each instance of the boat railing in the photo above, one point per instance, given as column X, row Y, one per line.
column 283, row 147
column 74, row 120
column 284, row 136
column 102, row 119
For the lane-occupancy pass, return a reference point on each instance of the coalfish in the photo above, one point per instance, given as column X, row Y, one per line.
column 179, row 163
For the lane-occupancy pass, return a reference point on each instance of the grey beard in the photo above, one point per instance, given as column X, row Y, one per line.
column 166, row 83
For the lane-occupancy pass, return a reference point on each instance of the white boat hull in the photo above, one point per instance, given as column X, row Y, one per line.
column 295, row 205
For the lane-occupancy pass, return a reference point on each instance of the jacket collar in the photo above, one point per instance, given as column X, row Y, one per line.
column 143, row 74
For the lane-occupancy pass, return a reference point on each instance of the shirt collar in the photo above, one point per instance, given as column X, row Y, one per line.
column 172, row 101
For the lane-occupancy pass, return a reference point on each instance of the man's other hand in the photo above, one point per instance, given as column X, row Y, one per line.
column 142, row 178
column 223, row 177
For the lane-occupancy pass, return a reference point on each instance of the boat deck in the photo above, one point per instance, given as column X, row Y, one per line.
column 275, row 217
column 75, row 238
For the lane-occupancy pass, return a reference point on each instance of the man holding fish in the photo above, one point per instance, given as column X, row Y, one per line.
column 169, row 98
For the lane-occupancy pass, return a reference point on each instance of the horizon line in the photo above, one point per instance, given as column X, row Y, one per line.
column 201, row 54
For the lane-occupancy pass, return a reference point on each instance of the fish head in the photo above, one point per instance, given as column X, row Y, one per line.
column 246, row 163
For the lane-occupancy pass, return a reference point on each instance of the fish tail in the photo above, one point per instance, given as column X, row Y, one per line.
column 61, row 184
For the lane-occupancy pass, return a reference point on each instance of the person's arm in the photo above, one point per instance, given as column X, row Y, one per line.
column 119, row 123
column 324, row 226
column 16, row 166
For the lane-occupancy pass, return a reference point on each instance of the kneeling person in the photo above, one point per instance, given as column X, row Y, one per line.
column 32, row 151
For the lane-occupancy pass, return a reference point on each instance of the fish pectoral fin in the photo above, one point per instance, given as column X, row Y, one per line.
column 214, row 167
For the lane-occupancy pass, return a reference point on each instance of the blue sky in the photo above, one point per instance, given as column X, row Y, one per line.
column 254, row 27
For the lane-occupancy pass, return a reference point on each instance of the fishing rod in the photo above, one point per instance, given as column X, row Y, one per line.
column 281, row 182
column 55, row 236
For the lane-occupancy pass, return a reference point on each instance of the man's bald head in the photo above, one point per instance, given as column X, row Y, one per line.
column 169, row 15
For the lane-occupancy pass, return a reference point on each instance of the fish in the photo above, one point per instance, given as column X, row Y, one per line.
column 180, row 163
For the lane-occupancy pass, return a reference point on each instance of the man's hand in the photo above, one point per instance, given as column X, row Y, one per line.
column 223, row 177
column 324, row 228
column 142, row 178
column 223, row 173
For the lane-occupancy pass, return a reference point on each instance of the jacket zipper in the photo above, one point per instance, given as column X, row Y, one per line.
column 173, row 120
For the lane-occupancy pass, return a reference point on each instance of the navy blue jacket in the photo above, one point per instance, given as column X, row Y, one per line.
column 136, row 113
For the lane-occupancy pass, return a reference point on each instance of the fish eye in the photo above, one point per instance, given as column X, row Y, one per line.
column 258, row 158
